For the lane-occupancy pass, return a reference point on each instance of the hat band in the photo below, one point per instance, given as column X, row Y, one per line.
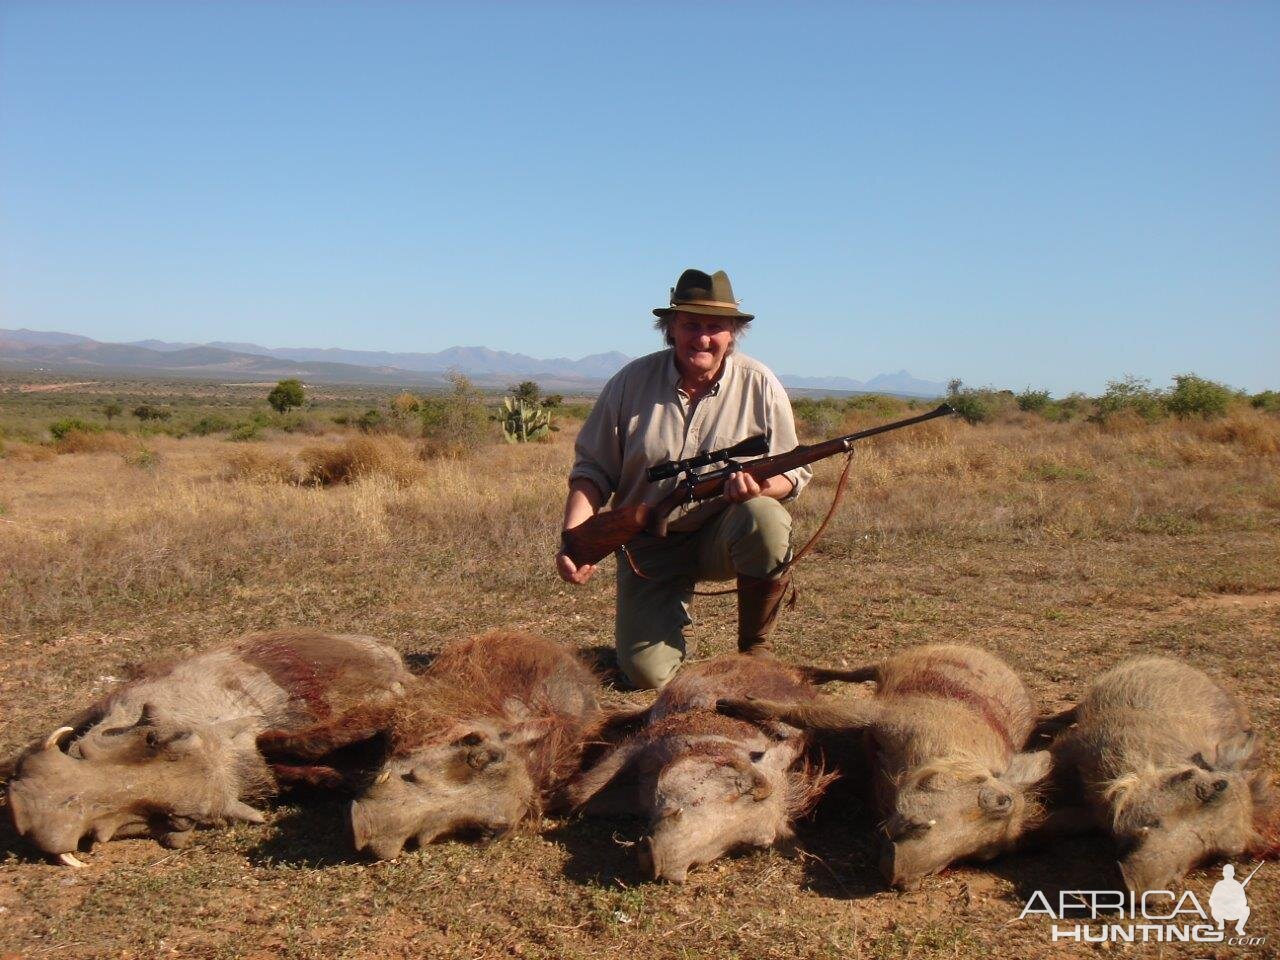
column 732, row 304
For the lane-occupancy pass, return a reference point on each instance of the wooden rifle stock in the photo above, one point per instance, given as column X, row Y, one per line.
column 596, row 538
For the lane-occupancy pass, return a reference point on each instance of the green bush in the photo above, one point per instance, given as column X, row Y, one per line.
column 572, row 411
column 369, row 421
column 1194, row 396
column 817, row 418
column 456, row 422
column 1033, row 401
column 60, row 428
column 1133, row 394
column 975, row 406
column 1268, row 400
column 146, row 412
column 1070, row 407
column 245, row 431
column 528, row 391
column 878, row 403
column 211, row 424
column 285, row 395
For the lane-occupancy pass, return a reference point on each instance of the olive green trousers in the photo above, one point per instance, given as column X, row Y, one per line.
column 751, row 539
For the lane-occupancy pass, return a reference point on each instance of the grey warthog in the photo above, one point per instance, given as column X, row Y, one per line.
column 190, row 741
column 1165, row 761
column 708, row 784
column 944, row 733
column 479, row 743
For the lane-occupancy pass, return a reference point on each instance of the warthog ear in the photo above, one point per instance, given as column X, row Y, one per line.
column 175, row 744
column 749, row 780
column 515, row 709
column 1027, row 769
column 1236, row 753
column 530, row 731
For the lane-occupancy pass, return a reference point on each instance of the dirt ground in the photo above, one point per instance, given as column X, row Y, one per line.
column 1062, row 547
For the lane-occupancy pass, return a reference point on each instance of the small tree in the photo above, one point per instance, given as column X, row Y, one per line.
column 1194, row 396
column 1033, row 401
column 1131, row 394
column 369, row 421
column 457, row 422
column 145, row 412
column 285, row 395
column 528, row 391
column 112, row 410
column 972, row 405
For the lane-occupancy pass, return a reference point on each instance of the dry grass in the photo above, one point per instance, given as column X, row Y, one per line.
column 254, row 464
column 360, row 458
column 1063, row 547
column 92, row 441
column 1252, row 431
column 19, row 452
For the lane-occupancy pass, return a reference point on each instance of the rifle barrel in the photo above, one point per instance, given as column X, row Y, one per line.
column 940, row 411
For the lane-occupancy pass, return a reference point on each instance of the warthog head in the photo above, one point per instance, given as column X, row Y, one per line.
column 707, row 805
column 1168, row 820
column 152, row 777
column 955, row 810
column 475, row 778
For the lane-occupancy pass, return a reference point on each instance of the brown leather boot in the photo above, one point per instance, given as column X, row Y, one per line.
column 758, row 605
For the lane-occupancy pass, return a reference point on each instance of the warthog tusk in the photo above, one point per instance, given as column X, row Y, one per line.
column 70, row 860
column 383, row 777
column 52, row 743
column 933, row 823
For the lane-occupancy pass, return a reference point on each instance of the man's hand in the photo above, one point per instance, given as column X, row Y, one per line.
column 570, row 572
column 741, row 487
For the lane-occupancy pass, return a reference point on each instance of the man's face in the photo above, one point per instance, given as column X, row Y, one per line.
column 701, row 342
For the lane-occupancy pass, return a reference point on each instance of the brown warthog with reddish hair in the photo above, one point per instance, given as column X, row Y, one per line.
column 1166, row 762
column 479, row 743
column 944, row 733
column 709, row 784
column 190, row 741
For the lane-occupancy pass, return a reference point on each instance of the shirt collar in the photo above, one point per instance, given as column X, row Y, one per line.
column 673, row 372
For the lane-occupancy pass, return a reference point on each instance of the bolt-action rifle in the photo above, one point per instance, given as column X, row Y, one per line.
column 596, row 538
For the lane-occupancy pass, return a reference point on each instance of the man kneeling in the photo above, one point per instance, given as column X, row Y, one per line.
column 697, row 395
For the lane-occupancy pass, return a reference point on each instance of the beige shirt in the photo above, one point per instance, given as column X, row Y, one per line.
column 643, row 418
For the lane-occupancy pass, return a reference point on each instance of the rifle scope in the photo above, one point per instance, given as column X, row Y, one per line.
column 751, row 447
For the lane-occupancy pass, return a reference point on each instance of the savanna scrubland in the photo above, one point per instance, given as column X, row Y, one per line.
column 1062, row 535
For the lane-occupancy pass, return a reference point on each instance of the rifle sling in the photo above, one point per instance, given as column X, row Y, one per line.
column 783, row 568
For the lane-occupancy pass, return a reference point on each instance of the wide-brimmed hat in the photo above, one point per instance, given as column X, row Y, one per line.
column 706, row 293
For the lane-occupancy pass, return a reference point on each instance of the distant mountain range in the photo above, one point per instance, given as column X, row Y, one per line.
column 33, row 349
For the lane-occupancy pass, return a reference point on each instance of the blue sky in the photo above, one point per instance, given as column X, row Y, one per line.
column 1045, row 194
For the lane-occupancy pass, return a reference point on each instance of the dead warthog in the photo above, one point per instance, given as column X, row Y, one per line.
column 708, row 783
column 943, row 734
column 1163, row 758
column 479, row 742
column 189, row 741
